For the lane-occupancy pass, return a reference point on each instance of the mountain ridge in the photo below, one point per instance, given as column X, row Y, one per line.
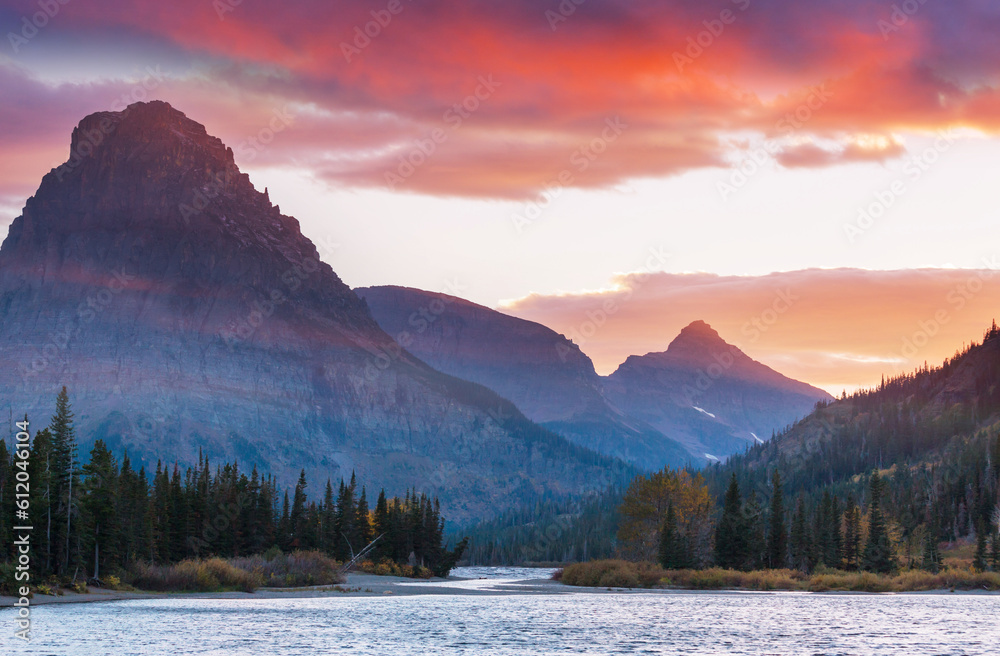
column 180, row 324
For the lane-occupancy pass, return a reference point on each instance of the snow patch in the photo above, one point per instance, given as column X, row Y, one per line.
column 759, row 441
column 703, row 411
column 710, row 456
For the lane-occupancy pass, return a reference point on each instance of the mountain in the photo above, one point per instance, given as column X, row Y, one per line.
column 184, row 311
column 702, row 396
column 546, row 375
column 932, row 417
column 708, row 395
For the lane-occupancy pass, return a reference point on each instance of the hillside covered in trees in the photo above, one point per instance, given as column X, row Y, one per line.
column 875, row 481
column 100, row 516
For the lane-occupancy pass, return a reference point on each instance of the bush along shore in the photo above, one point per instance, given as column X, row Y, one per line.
column 625, row 574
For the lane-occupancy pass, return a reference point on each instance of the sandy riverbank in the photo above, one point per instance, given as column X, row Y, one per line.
column 358, row 585
column 369, row 585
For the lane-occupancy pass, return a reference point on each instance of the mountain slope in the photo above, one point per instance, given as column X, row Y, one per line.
column 543, row 373
column 184, row 311
column 922, row 417
column 708, row 395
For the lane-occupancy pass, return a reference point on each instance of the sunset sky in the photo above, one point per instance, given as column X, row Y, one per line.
column 544, row 157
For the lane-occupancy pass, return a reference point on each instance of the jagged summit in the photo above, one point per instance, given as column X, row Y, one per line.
column 144, row 125
column 708, row 394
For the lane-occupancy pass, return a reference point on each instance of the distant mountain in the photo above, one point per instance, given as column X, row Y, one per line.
column 702, row 396
column 546, row 375
column 184, row 311
column 708, row 395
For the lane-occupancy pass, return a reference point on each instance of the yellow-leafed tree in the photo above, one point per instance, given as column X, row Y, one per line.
column 644, row 509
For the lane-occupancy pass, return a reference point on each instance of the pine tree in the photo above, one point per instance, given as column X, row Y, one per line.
column 777, row 536
column 40, row 479
column 756, row 533
column 878, row 555
column 382, row 527
column 7, row 491
column 285, row 526
column 827, row 532
column 297, row 518
column 730, row 533
column 364, row 529
column 801, row 542
column 995, row 551
column 673, row 551
column 852, row 535
column 979, row 560
column 328, row 531
column 100, row 505
column 64, row 479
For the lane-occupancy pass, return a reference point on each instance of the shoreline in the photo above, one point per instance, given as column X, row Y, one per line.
column 373, row 586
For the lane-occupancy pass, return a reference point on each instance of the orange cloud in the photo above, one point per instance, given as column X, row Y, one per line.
column 834, row 328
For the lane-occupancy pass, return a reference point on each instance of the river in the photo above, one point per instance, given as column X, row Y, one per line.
column 578, row 622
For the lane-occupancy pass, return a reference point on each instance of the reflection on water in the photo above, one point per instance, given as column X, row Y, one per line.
column 579, row 623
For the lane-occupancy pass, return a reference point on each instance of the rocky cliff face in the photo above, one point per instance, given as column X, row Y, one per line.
column 183, row 310
column 709, row 395
column 543, row 373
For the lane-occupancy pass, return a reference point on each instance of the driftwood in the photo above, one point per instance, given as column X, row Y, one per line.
column 361, row 554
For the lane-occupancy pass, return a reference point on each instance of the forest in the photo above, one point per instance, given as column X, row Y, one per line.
column 102, row 516
column 877, row 481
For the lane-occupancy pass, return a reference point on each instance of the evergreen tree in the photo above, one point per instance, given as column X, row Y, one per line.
column 285, row 537
column 383, row 550
column 64, row 474
column 7, row 491
column 328, row 531
column 801, row 542
column 878, row 555
column 297, row 518
column 40, row 494
column 995, row 551
column 777, row 536
column 979, row 560
column 852, row 535
column 756, row 533
column 344, row 523
column 730, row 532
column 931, row 560
column 673, row 551
column 100, row 504
column 363, row 522
column 827, row 532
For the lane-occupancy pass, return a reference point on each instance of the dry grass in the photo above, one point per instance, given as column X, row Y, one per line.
column 612, row 574
column 390, row 568
column 293, row 570
column 297, row 569
column 212, row 575
column 624, row 574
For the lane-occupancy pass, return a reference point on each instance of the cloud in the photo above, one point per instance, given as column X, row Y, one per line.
column 682, row 74
column 835, row 328
column 810, row 155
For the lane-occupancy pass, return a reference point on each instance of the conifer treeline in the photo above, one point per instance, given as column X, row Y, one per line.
column 100, row 516
column 878, row 523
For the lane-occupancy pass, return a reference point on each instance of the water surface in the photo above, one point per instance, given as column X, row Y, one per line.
column 536, row 625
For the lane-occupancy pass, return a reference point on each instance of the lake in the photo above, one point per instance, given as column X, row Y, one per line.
column 579, row 622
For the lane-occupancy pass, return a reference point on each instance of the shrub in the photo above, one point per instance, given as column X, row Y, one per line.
column 297, row 569
column 612, row 573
